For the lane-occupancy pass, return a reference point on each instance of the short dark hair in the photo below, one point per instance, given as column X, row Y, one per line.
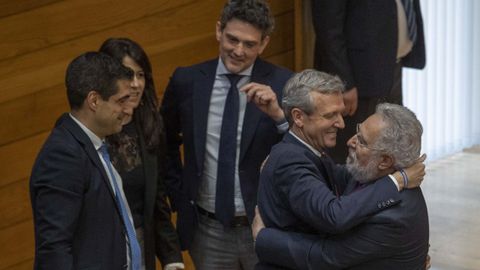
column 254, row 12
column 93, row 71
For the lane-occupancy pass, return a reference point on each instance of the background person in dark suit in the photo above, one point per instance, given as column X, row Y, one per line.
column 138, row 153
column 77, row 215
column 395, row 238
column 366, row 43
column 226, row 115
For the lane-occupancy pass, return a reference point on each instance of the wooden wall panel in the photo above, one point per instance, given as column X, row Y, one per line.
column 16, row 196
column 38, row 111
column 161, row 31
column 39, row 38
column 16, row 244
column 53, row 23
column 8, row 8
column 19, row 157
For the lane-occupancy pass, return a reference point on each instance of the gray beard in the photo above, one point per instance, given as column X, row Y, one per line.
column 362, row 174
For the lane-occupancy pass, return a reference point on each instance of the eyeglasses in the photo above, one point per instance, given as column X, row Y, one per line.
column 361, row 141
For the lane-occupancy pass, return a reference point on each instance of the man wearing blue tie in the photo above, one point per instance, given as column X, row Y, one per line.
column 82, row 219
column 367, row 43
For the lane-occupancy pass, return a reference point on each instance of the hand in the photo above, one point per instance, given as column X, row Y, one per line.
column 350, row 99
column 415, row 173
column 427, row 263
column 257, row 224
column 265, row 99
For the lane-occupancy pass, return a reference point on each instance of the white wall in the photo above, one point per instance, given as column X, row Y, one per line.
column 446, row 94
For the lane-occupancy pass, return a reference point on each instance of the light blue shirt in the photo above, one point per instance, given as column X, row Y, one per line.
column 208, row 186
column 97, row 143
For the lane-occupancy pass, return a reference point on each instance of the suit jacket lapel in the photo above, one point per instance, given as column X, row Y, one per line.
column 202, row 91
column 87, row 144
column 252, row 113
column 324, row 164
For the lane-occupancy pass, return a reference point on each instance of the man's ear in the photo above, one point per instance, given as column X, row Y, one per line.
column 386, row 162
column 298, row 117
column 92, row 100
column 263, row 44
column 218, row 30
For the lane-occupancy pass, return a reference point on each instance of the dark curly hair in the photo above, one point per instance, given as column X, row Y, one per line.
column 254, row 12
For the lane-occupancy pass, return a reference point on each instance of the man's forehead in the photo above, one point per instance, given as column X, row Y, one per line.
column 242, row 30
column 328, row 102
column 372, row 125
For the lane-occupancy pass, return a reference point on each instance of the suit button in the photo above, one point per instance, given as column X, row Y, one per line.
column 388, row 203
column 192, row 202
column 391, row 200
column 379, row 205
column 384, row 204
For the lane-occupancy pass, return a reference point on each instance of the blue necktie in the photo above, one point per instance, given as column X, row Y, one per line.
column 227, row 154
column 411, row 19
column 135, row 252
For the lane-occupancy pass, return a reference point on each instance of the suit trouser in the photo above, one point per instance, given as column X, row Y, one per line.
column 217, row 248
column 366, row 107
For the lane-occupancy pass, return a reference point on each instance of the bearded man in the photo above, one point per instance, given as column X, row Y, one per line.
column 341, row 229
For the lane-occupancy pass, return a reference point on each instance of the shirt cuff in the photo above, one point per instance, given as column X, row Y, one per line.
column 282, row 126
column 174, row 266
column 394, row 181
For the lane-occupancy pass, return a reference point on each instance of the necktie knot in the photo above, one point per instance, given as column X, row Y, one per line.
column 233, row 78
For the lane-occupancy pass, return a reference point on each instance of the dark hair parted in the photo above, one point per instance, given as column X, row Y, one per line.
column 93, row 71
column 254, row 12
column 146, row 115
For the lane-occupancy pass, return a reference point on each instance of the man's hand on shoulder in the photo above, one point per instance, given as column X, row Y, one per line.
column 412, row 176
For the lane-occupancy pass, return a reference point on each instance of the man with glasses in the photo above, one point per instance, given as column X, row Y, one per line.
column 302, row 190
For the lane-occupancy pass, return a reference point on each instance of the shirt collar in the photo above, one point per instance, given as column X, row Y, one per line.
column 97, row 142
column 315, row 151
column 222, row 70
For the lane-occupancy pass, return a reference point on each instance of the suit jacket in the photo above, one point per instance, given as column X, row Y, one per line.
column 396, row 238
column 185, row 112
column 160, row 237
column 297, row 192
column 357, row 40
column 77, row 222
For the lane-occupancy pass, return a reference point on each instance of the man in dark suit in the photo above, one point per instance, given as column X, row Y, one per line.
column 79, row 209
column 299, row 183
column 366, row 43
column 226, row 114
column 395, row 238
